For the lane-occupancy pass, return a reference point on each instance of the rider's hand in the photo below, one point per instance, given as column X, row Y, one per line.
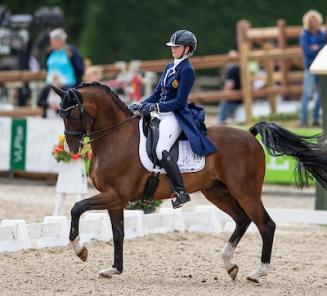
column 150, row 108
column 135, row 107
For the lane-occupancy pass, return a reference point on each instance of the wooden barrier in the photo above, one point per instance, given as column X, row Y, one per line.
column 274, row 51
column 22, row 112
column 21, row 76
column 248, row 40
column 210, row 97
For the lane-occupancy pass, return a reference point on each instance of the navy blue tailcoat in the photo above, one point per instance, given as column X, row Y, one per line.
column 171, row 94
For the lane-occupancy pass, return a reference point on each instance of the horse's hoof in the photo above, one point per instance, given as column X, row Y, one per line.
column 253, row 279
column 108, row 273
column 233, row 272
column 83, row 254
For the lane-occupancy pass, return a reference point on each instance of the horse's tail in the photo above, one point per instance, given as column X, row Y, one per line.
column 311, row 159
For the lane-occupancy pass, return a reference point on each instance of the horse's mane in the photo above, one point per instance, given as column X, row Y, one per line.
column 108, row 90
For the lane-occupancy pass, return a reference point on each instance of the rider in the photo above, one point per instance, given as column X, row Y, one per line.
column 169, row 100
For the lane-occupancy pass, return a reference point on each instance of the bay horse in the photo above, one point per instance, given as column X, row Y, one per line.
column 232, row 178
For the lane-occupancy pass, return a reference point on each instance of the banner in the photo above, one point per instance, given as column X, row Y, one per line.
column 281, row 170
column 18, row 144
column 42, row 134
column 5, row 136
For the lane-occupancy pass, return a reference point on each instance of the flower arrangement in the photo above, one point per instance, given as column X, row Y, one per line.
column 60, row 154
column 146, row 207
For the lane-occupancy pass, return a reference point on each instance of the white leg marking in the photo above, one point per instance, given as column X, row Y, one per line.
column 77, row 247
column 261, row 271
column 108, row 273
column 227, row 255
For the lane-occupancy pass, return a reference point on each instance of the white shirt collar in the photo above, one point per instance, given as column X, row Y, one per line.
column 177, row 61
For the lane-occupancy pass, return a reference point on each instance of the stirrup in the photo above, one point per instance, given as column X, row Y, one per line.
column 180, row 199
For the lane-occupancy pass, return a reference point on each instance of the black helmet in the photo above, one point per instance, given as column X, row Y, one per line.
column 183, row 37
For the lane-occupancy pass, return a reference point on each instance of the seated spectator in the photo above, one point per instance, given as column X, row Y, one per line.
column 92, row 73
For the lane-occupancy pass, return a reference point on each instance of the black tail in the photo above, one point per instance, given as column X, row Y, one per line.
column 311, row 158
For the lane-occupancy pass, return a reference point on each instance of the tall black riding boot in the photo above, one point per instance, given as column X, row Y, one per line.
column 172, row 169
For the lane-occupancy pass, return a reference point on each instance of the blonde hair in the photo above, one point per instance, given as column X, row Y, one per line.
column 309, row 14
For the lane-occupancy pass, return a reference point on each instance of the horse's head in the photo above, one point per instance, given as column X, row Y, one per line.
column 75, row 118
column 85, row 111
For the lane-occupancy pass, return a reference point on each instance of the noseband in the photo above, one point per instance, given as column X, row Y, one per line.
column 74, row 95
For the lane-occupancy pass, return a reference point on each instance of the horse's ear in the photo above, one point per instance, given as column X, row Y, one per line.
column 58, row 91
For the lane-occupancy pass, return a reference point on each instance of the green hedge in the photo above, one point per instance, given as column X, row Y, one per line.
column 111, row 30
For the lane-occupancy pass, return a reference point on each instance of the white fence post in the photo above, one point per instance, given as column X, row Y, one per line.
column 15, row 236
column 133, row 223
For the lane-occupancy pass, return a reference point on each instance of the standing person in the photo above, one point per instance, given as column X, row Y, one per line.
column 63, row 60
column 65, row 67
column 169, row 100
column 312, row 39
column 232, row 81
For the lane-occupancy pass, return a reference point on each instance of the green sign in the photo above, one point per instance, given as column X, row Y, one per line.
column 18, row 144
column 282, row 169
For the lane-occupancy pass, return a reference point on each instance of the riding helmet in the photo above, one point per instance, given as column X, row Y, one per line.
column 183, row 37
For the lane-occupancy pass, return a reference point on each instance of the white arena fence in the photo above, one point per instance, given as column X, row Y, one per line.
column 54, row 230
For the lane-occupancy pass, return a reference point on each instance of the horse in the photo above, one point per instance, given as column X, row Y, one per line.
column 232, row 178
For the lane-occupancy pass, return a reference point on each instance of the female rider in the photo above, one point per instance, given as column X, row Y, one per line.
column 169, row 100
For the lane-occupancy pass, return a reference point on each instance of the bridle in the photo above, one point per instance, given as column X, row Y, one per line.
column 93, row 136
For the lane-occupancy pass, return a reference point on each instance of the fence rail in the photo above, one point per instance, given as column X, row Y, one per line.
column 247, row 38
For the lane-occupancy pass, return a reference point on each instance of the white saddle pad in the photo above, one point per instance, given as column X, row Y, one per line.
column 188, row 162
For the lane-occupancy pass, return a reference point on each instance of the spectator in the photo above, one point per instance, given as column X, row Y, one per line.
column 232, row 81
column 312, row 39
column 63, row 60
column 137, row 87
column 92, row 73
column 48, row 100
column 65, row 68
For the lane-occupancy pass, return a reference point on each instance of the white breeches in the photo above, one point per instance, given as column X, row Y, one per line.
column 169, row 131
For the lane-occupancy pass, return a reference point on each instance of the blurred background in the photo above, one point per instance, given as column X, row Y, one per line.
column 122, row 44
column 108, row 31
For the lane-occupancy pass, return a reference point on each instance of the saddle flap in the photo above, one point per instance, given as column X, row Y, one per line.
column 181, row 151
column 152, row 137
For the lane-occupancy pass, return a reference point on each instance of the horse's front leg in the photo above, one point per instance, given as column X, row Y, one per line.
column 102, row 201
column 117, row 225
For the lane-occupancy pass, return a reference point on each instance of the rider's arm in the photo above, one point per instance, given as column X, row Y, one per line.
column 154, row 98
column 187, row 78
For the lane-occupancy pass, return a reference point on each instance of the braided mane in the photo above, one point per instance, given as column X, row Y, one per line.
column 108, row 90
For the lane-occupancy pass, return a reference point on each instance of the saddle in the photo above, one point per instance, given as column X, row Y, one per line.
column 181, row 152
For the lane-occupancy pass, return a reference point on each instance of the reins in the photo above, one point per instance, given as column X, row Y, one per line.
column 107, row 130
column 95, row 135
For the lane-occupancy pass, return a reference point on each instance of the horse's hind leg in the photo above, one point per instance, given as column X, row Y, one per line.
column 221, row 197
column 117, row 224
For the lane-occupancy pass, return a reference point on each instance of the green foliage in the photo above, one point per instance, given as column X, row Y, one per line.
column 279, row 117
column 111, row 30
column 146, row 207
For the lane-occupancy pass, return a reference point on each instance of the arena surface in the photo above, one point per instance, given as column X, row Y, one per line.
column 174, row 264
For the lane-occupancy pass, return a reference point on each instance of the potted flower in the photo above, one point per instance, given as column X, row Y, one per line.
column 72, row 173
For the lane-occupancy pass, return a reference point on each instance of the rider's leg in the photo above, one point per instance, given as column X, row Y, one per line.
column 172, row 169
column 169, row 131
